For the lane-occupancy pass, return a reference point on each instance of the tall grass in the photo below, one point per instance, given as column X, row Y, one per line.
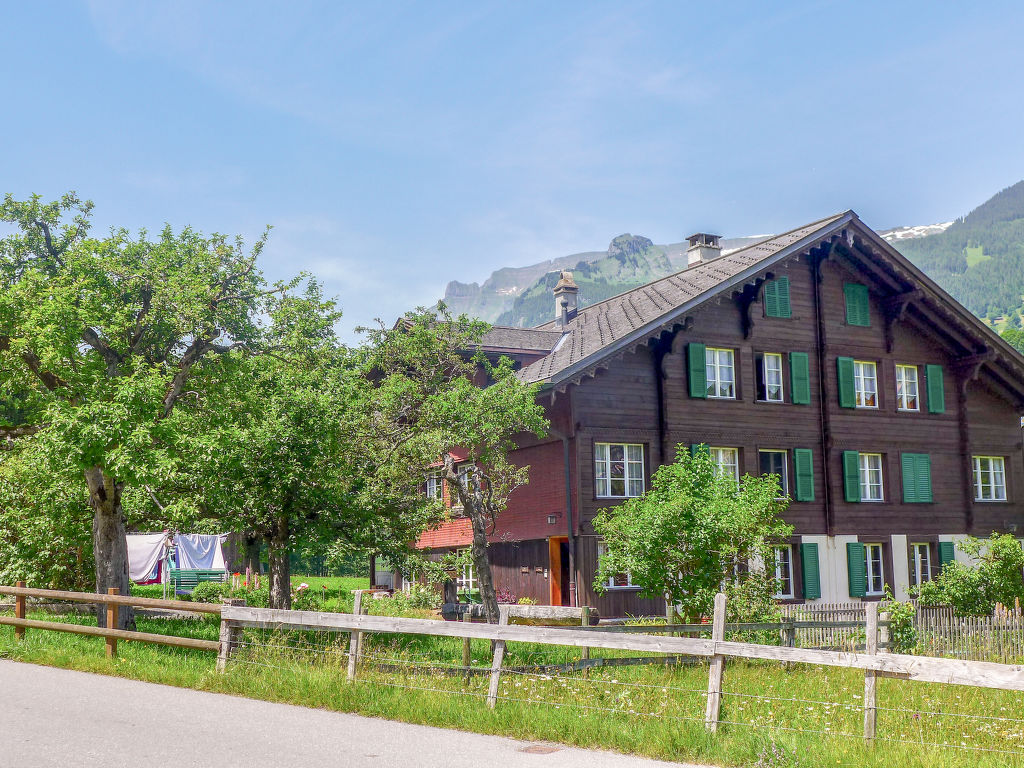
column 803, row 715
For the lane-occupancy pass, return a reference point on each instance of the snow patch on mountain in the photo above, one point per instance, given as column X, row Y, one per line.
column 910, row 233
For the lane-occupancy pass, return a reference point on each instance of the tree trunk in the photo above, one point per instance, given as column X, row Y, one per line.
column 280, row 566
column 482, row 565
column 109, row 545
column 251, row 556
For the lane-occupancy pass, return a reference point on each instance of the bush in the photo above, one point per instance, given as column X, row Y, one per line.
column 210, row 591
column 902, row 634
column 975, row 590
column 527, row 601
column 505, row 595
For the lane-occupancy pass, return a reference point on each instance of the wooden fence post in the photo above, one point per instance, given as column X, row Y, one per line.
column 467, row 647
column 499, row 657
column 229, row 634
column 871, row 648
column 355, row 638
column 112, row 611
column 714, row 707
column 585, row 654
column 19, row 612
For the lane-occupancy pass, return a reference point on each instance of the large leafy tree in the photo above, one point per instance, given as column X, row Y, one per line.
column 438, row 404
column 101, row 337
column 692, row 531
column 974, row 590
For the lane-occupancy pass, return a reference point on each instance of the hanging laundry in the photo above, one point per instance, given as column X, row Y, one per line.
column 199, row 552
column 145, row 553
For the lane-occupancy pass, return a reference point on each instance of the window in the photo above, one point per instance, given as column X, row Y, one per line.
column 435, row 486
column 776, row 298
column 728, row 461
column 874, row 578
column 774, row 463
column 906, row 388
column 784, row 571
column 870, row 476
column 719, row 366
column 989, row 478
column 920, row 564
column 770, row 384
column 865, row 384
column 619, row 470
column 466, row 581
column 619, row 580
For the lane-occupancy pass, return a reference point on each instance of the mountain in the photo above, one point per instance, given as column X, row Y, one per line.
column 522, row 295
column 978, row 258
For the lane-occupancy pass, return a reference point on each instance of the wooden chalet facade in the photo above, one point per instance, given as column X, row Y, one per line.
column 821, row 354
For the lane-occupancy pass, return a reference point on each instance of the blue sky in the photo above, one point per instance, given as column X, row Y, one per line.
column 395, row 146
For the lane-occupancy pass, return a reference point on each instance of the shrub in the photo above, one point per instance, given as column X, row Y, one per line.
column 902, row 633
column 975, row 590
column 506, row 595
column 527, row 601
column 210, row 591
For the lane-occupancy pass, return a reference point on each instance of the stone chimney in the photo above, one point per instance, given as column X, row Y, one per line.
column 565, row 299
column 703, row 247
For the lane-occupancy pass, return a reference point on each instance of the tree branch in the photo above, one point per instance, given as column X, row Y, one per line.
column 54, row 253
column 110, row 355
column 9, row 435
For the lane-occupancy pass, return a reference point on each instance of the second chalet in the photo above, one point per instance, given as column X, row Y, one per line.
column 822, row 355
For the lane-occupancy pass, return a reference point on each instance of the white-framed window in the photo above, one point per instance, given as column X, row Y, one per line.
column 865, row 383
column 435, row 485
column 784, row 571
column 989, row 478
column 906, row 388
column 920, row 563
column 619, row 580
column 871, row 477
column 619, row 470
column 773, row 462
column 466, row 580
column 771, row 371
column 721, row 373
column 727, row 461
column 873, row 575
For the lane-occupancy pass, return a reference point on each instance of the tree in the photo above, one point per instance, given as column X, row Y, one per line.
column 691, row 531
column 974, row 590
column 102, row 337
column 438, row 404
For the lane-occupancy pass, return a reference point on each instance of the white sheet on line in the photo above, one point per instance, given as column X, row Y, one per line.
column 199, row 552
column 144, row 553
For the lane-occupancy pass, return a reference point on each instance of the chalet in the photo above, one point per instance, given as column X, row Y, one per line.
column 823, row 355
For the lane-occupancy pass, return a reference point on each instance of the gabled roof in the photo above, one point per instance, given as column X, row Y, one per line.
column 604, row 328
column 620, row 323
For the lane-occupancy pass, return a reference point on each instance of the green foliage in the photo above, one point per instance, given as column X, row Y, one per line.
column 210, row 591
column 902, row 633
column 995, row 577
column 682, row 538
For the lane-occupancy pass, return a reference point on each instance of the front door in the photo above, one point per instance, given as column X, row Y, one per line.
column 558, row 570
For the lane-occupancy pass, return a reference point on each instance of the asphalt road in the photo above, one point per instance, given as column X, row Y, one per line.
column 56, row 717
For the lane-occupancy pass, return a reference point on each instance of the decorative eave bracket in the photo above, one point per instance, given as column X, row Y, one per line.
column 894, row 309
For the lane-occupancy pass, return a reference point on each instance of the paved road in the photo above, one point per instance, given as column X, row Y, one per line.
column 56, row 717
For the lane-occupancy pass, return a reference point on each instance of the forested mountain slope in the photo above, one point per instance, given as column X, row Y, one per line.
column 979, row 259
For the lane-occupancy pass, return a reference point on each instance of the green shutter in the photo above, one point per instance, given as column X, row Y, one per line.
column 851, row 475
column 697, row 368
column 811, row 571
column 947, row 552
column 803, row 459
column 844, row 374
column 908, row 461
column 800, row 378
column 776, row 298
column 917, row 478
column 936, row 389
column 855, row 569
column 858, row 306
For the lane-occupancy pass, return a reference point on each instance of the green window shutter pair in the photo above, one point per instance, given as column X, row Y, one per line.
column 811, row 571
column 917, row 478
column 855, row 569
column 851, row 476
column 800, row 378
column 947, row 552
column 696, row 363
column 776, row 298
column 936, row 389
column 844, row 375
column 803, row 460
column 858, row 306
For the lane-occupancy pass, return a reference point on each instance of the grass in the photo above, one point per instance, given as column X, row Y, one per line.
column 975, row 255
column 333, row 583
column 650, row 710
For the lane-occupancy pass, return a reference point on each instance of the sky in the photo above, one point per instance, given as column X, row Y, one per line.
column 395, row 146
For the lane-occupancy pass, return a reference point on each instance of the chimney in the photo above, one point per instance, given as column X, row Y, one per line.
column 565, row 299
column 703, row 247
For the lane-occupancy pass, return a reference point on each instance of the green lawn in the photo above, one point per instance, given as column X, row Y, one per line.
column 334, row 584
column 651, row 710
